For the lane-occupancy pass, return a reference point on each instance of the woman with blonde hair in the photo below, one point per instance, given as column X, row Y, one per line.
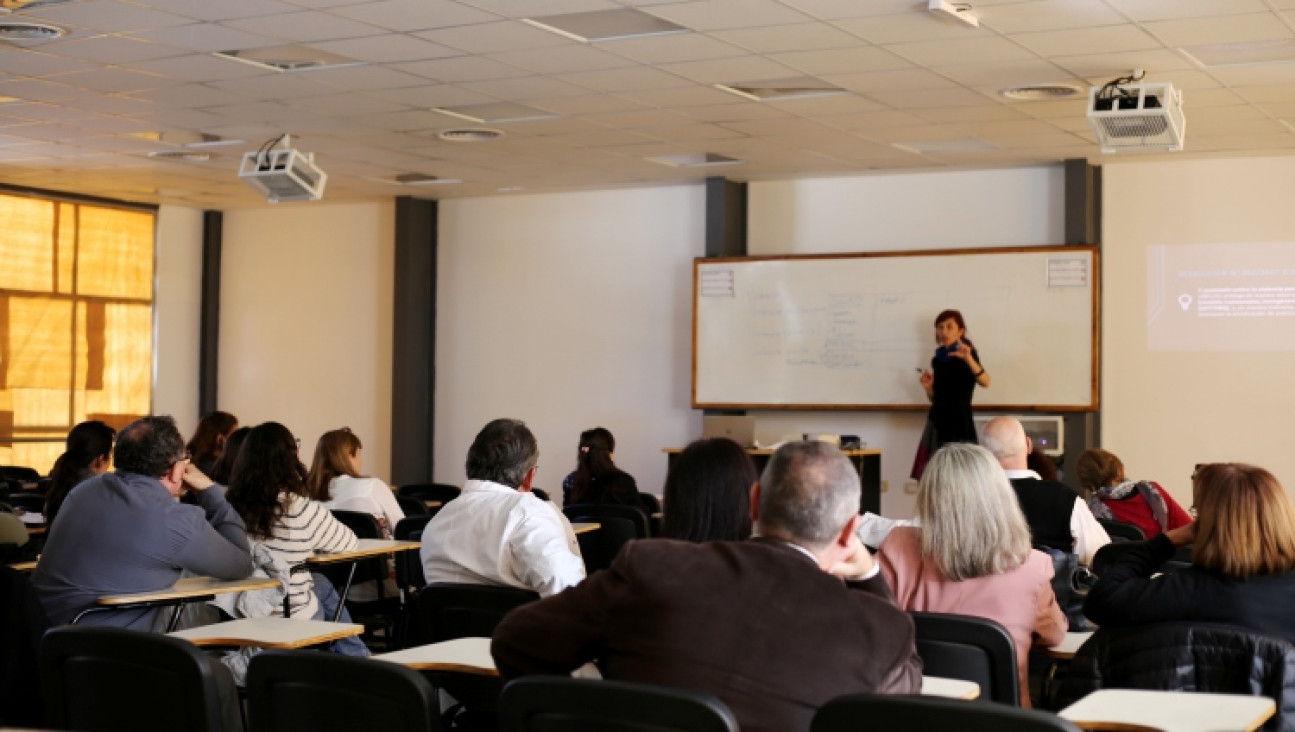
column 1142, row 503
column 1243, row 561
column 971, row 553
column 336, row 482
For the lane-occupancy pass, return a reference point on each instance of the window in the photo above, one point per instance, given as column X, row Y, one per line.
column 76, row 321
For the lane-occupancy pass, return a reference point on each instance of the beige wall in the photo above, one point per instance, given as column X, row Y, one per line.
column 178, row 309
column 1164, row 411
column 305, row 327
column 568, row 311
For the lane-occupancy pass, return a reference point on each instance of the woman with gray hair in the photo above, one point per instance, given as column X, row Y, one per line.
column 971, row 555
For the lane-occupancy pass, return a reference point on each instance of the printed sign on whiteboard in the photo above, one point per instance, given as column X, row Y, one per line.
column 1067, row 272
column 717, row 282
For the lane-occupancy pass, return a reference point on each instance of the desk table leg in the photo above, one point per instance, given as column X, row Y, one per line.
column 341, row 600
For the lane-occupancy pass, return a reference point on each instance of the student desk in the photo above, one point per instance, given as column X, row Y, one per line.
column 184, row 591
column 472, row 656
column 1065, row 650
column 364, row 549
column 271, row 632
column 1169, row 711
column 867, row 462
column 464, row 655
column 584, row 527
column 23, row 566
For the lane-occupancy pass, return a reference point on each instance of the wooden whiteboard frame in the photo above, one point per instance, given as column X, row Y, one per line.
column 1096, row 287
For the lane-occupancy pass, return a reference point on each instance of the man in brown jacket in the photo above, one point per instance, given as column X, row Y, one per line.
column 767, row 624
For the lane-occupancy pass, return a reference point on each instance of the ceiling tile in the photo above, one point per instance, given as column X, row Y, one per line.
column 114, row 80
column 576, row 105
column 794, row 37
column 191, row 95
column 526, row 8
column 1048, row 15
column 343, row 105
column 1171, row 9
column 1108, row 39
column 112, row 50
column 905, row 79
column 729, row 14
column 507, row 35
column 1002, row 75
column 683, row 96
column 368, row 78
column 388, row 48
column 437, row 95
column 1215, row 30
column 729, row 70
column 107, row 16
column 530, row 87
column 737, row 112
column 35, row 63
column 951, row 52
column 627, row 79
column 837, row 9
column 562, row 59
column 1257, row 75
column 305, row 26
column 414, row 15
column 206, row 37
column 842, row 60
column 908, row 27
column 929, row 98
column 223, row 10
column 674, row 47
column 197, row 67
column 273, row 87
column 1102, row 67
column 461, row 68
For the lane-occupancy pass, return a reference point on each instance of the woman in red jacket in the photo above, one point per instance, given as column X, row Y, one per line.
column 1142, row 503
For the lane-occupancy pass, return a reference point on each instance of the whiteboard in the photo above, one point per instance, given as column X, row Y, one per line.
column 851, row 331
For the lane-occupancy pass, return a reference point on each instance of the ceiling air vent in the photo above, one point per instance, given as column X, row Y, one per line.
column 16, row 31
column 182, row 155
column 1040, row 92
column 697, row 160
column 470, row 134
column 289, row 58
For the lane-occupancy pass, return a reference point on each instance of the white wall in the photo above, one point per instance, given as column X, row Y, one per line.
column 305, row 326
column 178, row 307
column 568, row 311
column 1016, row 207
column 1165, row 411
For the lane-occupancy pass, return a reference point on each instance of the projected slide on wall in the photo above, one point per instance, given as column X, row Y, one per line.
column 1221, row 297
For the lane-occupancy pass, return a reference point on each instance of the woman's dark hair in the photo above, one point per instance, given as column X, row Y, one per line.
column 956, row 317
column 593, row 461
column 707, row 493
column 86, row 441
column 267, row 465
column 208, row 442
column 1041, row 464
column 223, row 471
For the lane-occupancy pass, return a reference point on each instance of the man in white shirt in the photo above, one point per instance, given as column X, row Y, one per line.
column 1057, row 516
column 497, row 532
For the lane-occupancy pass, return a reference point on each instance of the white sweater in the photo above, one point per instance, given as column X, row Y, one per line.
column 306, row 527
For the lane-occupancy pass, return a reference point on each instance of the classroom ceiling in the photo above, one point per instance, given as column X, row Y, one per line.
column 921, row 90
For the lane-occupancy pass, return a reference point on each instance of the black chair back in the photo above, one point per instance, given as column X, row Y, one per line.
column 301, row 691
column 365, row 526
column 409, row 565
column 442, row 492
column 24, row 622
column 27, row 501
column 412, row 506
column 652, row 506
column 618, row 525
column 867, row 712
column 96, row 678
column 971, row 649
column 550, row 704
column 450, row 610
column 1120, row 531
column 20, row 473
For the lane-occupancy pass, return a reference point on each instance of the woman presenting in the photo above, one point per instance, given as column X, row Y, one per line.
column 955, row 371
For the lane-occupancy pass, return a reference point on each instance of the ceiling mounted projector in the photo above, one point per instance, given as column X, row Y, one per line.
column 283, row 173
column 1129, row 116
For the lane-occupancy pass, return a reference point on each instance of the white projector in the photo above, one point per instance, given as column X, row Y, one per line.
column 284, row 174
column 1137, row 117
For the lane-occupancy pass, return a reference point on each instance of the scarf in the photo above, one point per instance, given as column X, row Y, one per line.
column 1124, row 491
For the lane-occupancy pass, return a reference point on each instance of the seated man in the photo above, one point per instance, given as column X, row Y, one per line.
column 496, row 532
column 1058, row 517
column 124, row 531
column 763, row 624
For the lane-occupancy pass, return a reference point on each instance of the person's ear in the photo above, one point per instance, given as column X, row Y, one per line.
column 529, row 480
column 1029, row 445
column 843, row 539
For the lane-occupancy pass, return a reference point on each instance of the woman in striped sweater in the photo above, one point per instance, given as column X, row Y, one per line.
column 269, row 491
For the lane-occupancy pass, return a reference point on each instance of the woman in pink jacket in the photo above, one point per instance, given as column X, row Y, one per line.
column 971, row 554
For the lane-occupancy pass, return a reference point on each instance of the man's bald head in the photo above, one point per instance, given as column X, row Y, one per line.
column 1005, row 438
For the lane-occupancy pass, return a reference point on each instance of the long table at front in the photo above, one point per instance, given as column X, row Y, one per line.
column 867, row 462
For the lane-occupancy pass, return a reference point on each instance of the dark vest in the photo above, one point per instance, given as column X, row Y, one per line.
column 1047, row 506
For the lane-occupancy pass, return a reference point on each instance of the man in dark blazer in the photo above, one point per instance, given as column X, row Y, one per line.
column 768, row 625
column 1058, row 517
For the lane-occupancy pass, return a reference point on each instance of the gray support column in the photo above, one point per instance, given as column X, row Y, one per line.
column 209, row 320
column 1083, row 206
column 413, row 350
column 725, row 218
column 725, row 233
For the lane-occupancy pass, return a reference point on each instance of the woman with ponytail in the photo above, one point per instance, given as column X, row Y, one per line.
column 89, row 450
column 597, row 479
